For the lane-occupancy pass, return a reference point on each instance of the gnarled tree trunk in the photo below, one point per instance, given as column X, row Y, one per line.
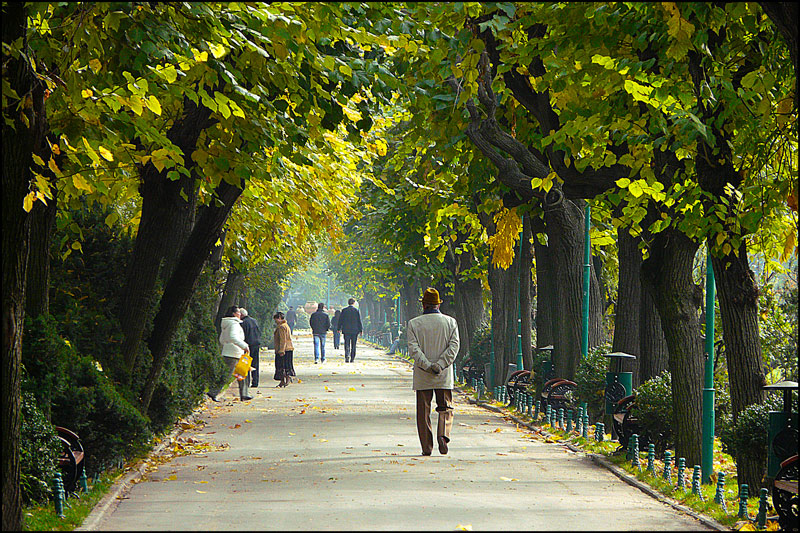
column 668, row 274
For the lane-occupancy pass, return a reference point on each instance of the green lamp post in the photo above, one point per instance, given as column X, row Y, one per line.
column 707, row 443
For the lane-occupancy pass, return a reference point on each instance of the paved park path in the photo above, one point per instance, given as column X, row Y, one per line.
column 338, row 450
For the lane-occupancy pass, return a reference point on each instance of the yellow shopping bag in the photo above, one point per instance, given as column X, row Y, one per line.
column 242, row 368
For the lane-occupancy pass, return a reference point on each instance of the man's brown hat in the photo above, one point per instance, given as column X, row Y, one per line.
column 430, row 297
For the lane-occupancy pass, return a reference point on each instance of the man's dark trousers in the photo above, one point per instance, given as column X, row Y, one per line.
column 350, row 347
column 254, row 349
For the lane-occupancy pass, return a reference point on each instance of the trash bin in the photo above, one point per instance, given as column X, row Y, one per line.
column 546, row 373
column 618, row 383
column 782, row 431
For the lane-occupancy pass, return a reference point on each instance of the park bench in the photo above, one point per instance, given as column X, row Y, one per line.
column 518, row 381
column 627, row 424
column 71, row 460
column 784, row 494
column 471, row 370
column 558, row 394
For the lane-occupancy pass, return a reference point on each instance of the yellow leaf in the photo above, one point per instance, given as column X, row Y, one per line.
column 460, row 527
column 200, row 492
column 95, row 65
column 81, row 183
column 38, row 160
column 27, row 203
column 106, row 153
column 153, row 104
column 52, row 166
column 173, row 477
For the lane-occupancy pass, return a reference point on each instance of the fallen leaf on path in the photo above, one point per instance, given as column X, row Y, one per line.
column 498, row 453
column 498, row 430
column 201, row 492
column 290, row 433
column 323, row 440
column 171, row 478
column 352, row 388
column 249, row 421
column 200, row 482
column 508, row 478
column 465, row 527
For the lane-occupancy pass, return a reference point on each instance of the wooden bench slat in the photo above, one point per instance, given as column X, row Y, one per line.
column 788, row 486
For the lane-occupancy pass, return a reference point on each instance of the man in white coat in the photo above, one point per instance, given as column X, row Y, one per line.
column 433, row 343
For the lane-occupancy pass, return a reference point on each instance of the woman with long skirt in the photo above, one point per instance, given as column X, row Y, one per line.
column 284, row 351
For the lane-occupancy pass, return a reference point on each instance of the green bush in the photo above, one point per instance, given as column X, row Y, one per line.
column 590, row 377
column 749, row 434
column 39, row 449
column 109, row 426
column 654, row 410
column 480, row 348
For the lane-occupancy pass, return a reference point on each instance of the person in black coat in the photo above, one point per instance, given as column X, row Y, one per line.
column 291, row 318
column 350, row 326
column 252, row 336
column 320, row 323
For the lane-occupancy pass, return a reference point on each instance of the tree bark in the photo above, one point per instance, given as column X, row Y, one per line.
column 667, row 272
column 565, row 230
column 37, row 288
column 234, row 283
column 654, row 358
column 525, row 282
column 627, row 311
column 410, row 292
column 23, row 129
column 545, row 295
column 180, row 287
column 164, row 217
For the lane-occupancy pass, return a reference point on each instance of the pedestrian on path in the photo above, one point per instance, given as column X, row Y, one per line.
column 231, row 338
column 350, row 326
column 433, row 343
column 320, row 323
column 291, row 318
column 252, row 336
column 334, row 327
column 284, row 351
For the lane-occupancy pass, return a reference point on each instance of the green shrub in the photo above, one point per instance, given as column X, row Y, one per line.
column 749, row 434
column 479, row 349
column 39, row 449
column 654, row 410
column 109, row 426
column 590, row 377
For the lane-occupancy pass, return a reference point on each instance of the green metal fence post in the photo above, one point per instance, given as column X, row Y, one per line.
column 587, row 257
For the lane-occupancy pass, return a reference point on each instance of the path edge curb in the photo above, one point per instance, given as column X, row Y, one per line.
column 614, row 469
column 123, row 484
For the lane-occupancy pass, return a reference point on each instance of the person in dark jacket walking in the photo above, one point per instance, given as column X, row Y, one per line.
column 350, row 326
column 252, row 336
column 320, row 323
column 291, row 318
column 335, row 328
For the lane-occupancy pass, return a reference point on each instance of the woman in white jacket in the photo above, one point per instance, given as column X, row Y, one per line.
column 231, row 338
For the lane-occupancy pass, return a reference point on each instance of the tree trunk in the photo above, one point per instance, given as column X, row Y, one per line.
column 565, row 230
column 163, row 219
column 526, row 262
column 627, row 311
column 23, row 130
column 37, row 287
column 410, row 293
column 545, row 295
column 668, row 275
column 180, row 287
column 738, row 303
column 234, row 283
column 654, row 358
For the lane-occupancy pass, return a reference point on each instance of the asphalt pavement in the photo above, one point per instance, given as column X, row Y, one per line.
column 338, row 450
